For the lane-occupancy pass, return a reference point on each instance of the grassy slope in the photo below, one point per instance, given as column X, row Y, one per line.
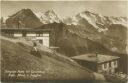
column 16, row 56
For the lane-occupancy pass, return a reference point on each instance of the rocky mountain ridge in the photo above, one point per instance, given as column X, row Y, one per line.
column 48, row 17
column 98, row 21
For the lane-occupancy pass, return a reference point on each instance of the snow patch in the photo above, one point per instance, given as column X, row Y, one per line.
column 48, row 17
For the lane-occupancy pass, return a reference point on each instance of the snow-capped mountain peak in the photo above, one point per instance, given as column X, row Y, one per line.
column 96, row 20
column 48, row 17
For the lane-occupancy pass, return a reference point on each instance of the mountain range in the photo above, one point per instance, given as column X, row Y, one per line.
column 85, row 32
column 93, row 23
column 97, row 21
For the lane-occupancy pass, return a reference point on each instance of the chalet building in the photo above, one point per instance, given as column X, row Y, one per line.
column 98, row 63
column 40, row 35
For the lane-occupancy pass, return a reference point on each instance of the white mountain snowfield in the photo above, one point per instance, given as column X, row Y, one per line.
column 97, row 20
column 48, row 17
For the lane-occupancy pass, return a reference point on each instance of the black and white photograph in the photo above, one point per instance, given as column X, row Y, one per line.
column 61, row 41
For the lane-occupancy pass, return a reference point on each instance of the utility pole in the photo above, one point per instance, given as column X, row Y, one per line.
column 18, row 23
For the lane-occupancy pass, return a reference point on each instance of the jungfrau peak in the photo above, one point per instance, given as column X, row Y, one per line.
column 48, row 17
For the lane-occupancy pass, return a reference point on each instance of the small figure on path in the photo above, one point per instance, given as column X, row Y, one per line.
column 35, row 51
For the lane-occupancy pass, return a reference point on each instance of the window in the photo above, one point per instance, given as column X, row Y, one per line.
column 18, row 34
column 41, row 34
column 115, row 64
column 31, row 34
column 41, row 41
column 105, row 66
column 112, row 64
column 46, row 34
column 109, row 64
column 24, row 34
column 37, row 34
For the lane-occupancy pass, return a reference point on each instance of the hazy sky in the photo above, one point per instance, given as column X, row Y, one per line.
column 66, row 8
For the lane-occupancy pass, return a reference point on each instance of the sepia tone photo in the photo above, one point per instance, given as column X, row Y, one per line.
column 64, row 41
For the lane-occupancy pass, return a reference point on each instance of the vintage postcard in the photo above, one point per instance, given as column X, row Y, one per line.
column 64, row 41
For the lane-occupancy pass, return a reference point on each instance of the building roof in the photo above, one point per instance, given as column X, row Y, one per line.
column 93, row 58
column 24, row 29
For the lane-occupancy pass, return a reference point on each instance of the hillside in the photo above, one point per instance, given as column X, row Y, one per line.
column 76, row 40
column 83, row 40
column 16, row 56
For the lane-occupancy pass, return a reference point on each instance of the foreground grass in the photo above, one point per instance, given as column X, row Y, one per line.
column 15, row 55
